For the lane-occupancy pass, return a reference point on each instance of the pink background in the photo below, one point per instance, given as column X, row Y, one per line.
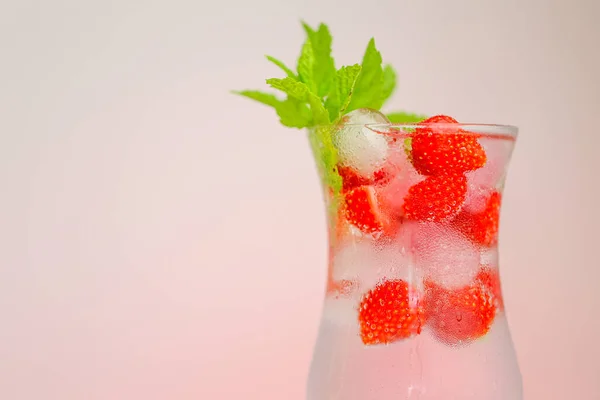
column 163, row 239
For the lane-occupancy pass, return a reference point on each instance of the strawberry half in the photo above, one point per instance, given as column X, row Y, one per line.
column 436, row 198
column 389, row 312
column 362, row 210
column 461, row 315
column 482, row 227
column 438, row 150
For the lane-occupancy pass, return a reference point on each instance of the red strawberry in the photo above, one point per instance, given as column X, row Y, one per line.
column 391, row 311
column 436, row 198
column 362, row 210
column 351, row 179
column 438, row 150
column 482, row 227
column 460, row 315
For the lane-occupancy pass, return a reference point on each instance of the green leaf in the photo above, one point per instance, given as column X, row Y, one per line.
column 281, row 65
column 291, row 87
column 262, row 97
column 389, row 83
column 368, row 88
column 299, row 91
column 323, row 67
column 402, row 117
column 294, row 114
column 342, row 90
column 305, row 67
column 320, row 114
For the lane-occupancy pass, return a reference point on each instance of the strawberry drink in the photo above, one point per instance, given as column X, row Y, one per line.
column 413, row 307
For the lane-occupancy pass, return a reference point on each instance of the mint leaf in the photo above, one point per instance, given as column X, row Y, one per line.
column 342, row 90
column 300, row 91
column 323, row 67
column 281, row 65
column 389, row 83
column 320, row 114
column 294, row 114
column 402, row 117
column 262, row 97
column 368, row 88
column 305, row 67
column 291, row 87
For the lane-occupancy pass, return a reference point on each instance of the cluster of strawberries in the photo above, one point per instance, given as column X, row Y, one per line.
column 394, row 310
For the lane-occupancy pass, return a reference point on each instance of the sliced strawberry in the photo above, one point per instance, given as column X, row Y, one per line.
column 436, row 198
column 362, row 210
column 482, row 227
column 438, row 150
column 389, row 312
column 460, row 315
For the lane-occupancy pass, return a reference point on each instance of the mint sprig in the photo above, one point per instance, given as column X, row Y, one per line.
column 317, row 95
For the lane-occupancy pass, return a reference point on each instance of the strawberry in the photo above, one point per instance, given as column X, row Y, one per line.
column 351, row 179
column 438, row 150
column 436, row 198
column 362, row 210
column 389, row 312
column 481, row 227
column 460, row 315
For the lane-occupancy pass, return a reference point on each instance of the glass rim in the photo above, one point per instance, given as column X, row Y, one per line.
column 401, row 129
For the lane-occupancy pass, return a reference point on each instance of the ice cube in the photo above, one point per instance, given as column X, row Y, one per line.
column 402, row 176
column 366, row 263
column 359, row 147
column 443, row 254
column 477, row 197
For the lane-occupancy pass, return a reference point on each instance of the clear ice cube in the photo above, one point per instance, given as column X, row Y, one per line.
column 358, row 146
column 443, row 254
